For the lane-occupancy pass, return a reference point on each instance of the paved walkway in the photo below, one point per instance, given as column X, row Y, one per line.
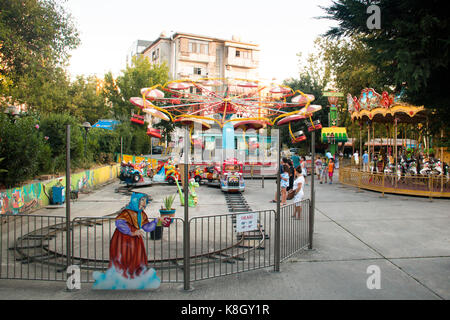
column 406, row 238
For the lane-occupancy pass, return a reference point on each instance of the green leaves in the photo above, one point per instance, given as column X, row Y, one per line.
column 23, row 149
column 140, row 74
column 412, row 47
column 34, row 35
column 168, row 202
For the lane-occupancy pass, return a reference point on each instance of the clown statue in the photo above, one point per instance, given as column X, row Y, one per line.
column 192, row 194
column 127, row 255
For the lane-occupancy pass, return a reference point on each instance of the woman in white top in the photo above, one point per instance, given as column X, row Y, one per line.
column 298, row 187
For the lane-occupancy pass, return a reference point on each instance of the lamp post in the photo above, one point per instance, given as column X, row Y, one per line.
column 86, row 126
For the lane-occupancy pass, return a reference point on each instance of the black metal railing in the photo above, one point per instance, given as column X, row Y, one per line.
column 35, row 247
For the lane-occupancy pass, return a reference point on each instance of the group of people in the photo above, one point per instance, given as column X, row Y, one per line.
column 325, row 167
column 408, row 162
column 293, row 176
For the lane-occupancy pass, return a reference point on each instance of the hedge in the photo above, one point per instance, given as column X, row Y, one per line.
column 34, row 145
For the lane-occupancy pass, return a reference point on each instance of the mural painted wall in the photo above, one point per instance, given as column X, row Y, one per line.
column 36, row 195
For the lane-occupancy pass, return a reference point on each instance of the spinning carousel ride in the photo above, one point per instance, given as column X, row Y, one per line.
column 247, row 104
column 238, row 104
column 395, row 173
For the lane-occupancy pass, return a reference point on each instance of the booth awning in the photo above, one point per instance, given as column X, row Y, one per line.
column 334, row 135
column 106, row 124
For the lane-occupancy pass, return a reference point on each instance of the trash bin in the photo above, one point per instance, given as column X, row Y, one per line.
column 157, row 233
column 58, row 195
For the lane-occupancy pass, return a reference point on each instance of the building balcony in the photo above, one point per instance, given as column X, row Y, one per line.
column 241, row 62
column 196, row 57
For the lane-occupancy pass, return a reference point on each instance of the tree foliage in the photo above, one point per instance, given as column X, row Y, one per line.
column 140, row 74
column 35, row 37
column 24, row 149
column 314, row 76
column 412, row 47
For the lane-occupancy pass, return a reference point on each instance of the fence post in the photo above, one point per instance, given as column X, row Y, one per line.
column 430, row 185
column 68, row 235
column 277, row 248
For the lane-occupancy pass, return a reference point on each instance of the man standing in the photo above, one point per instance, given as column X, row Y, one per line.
column 365, row 160
column 296, row 160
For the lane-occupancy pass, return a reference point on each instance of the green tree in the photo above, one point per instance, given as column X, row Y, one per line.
column 35, row 38
column 140, row 74
column 351, row 70
column 86, row 102
column 23, row 148
column 46, row 91
column 411, row 48
column 54, row 126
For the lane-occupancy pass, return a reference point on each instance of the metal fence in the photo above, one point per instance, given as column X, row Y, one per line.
column 218, row 250
column 295, row 234
column 32, row 247
column 419, row 185
column 35, row 247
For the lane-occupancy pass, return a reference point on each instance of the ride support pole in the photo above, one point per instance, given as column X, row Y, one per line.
column 312, row 203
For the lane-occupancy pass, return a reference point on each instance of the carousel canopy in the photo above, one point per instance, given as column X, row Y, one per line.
column 383, row 108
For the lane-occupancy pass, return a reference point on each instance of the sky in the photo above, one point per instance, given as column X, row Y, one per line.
column 281, row 28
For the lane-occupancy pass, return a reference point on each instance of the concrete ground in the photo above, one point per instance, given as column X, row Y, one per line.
column 406, row 239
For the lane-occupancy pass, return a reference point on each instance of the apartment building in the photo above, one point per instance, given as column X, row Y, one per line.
column 136, row 49
column 195, row 56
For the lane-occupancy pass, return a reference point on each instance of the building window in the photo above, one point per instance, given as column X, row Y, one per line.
column 198, row 47
column 245, row 54
column 198, row 71
column 192, row 47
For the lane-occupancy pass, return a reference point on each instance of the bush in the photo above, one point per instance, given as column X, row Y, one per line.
column 54, row 127
column 134, row 137
column 24, row 149
column 102, row 144
column 31, row 146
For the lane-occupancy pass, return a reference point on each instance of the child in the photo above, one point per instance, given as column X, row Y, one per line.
column 331, row 170
column 298, row 189
column 324, row 170
column 284, row 183
column 318, row 167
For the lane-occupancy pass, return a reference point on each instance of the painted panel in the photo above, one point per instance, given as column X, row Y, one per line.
column 36, row 195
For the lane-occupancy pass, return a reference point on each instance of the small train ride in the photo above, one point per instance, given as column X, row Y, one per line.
column 232, row 176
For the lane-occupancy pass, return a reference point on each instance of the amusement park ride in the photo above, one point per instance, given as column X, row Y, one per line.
column 232, row 103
